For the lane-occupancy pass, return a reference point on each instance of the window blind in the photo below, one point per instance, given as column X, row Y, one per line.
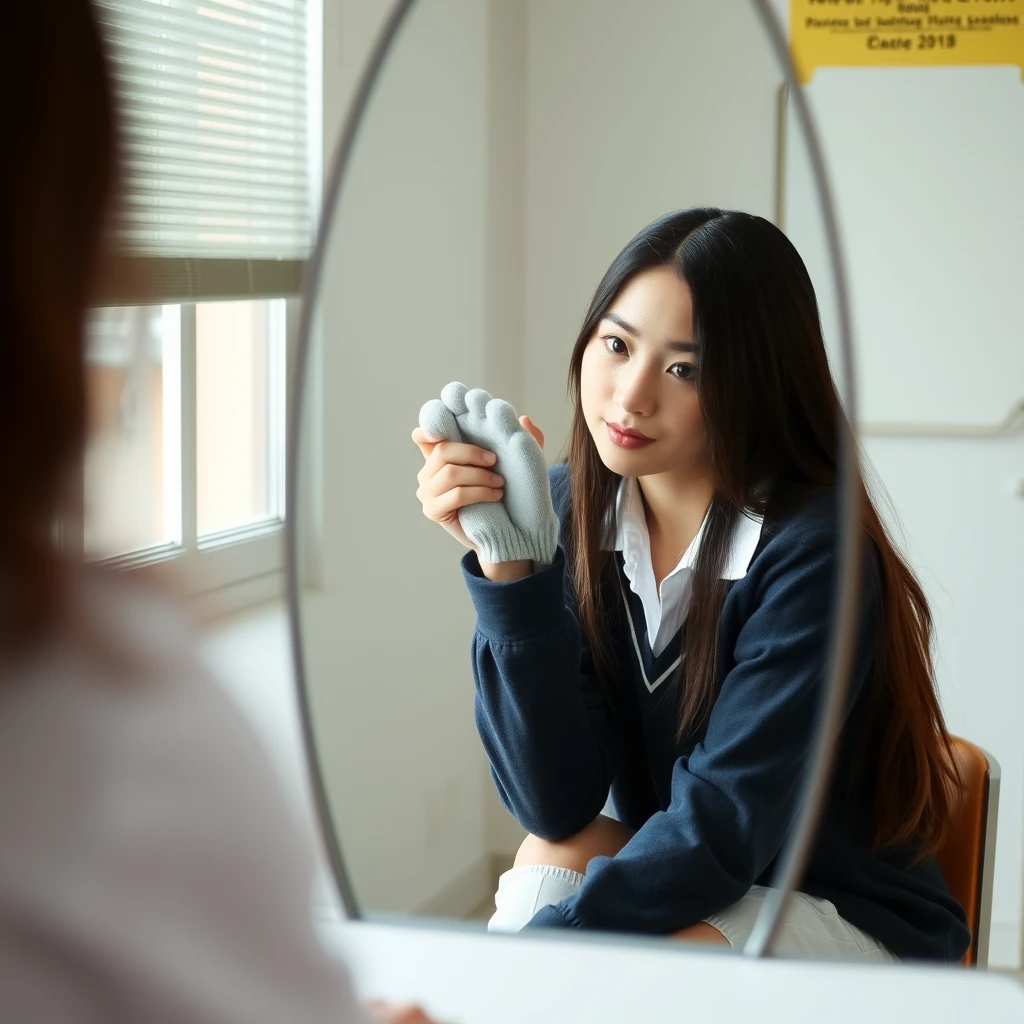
column 213, row 108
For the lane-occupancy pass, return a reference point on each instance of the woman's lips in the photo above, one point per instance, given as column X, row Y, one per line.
column 623, row 438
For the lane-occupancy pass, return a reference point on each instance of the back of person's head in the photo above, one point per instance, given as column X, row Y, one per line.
column 56, row 183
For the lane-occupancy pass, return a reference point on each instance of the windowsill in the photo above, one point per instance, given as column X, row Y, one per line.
column 251, row 597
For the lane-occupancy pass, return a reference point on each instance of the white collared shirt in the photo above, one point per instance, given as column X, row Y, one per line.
column 665, row 608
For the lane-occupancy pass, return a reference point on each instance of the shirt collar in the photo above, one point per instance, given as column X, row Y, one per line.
column 631, row 537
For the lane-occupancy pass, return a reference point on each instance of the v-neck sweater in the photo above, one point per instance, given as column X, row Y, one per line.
column 713, row 810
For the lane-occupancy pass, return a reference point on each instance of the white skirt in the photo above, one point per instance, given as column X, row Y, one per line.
column 812, row 926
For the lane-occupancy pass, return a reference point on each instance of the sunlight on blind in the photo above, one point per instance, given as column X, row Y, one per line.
column 214, row 114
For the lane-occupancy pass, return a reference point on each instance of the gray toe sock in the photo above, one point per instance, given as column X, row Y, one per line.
column 523, row 524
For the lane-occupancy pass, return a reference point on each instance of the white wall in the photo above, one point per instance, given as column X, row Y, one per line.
column 250, row 655
column 932, row 219
column 633, row 110
column 964, row 531
column 402, row 312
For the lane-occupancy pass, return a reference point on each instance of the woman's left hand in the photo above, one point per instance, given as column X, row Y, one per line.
column 532, row 429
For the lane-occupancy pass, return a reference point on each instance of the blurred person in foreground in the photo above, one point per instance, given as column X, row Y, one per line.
column 150, row 869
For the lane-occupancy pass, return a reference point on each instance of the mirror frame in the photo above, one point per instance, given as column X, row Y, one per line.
column 830, row 716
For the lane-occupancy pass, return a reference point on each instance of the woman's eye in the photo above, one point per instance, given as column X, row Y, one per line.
column 684, row 371
column 615, row 345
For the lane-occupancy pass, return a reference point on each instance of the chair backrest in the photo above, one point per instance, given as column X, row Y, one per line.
column 967, row 855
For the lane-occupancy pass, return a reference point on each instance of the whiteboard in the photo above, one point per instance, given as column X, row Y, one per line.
column 927, row 167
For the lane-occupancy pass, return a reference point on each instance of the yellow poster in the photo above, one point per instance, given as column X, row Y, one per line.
column 894, row 33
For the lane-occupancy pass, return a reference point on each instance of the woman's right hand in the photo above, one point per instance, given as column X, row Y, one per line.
column 454, row 475
column 386, row 1013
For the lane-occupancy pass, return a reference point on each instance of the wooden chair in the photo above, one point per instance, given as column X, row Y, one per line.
column 968, row 854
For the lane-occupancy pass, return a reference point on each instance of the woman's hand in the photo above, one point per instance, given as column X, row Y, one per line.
column 388, row 1014
column 455, row 475
column 535, row 432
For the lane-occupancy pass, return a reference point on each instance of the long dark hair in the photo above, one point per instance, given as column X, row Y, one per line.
column 57, row 179
column 771, row 413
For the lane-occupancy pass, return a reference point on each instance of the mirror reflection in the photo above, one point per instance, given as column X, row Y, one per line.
column 625, row 421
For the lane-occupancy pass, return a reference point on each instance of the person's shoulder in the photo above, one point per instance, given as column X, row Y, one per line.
column 124, row 681
column 128, row 777
column 815, row 515
column 131, row 622
column 120, row 707
column 809, row 529
column 799, row 534
column 558, row 477
column 151, row 725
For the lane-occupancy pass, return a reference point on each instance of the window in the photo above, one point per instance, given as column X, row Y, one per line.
column 188, row 353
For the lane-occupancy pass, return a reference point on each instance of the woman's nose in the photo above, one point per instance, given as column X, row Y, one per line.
column 635, row 390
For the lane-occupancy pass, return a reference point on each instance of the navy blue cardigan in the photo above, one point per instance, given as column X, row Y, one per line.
column 712, row 812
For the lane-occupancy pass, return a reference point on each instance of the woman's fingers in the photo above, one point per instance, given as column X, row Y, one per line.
column 445, row 505
column 535, row 432
column 424, row 441
column 454, row 452
column 427, row 444
column 451, row 475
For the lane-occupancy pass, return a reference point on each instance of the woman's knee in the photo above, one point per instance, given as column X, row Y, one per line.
column 603, row 837
column 702, row 932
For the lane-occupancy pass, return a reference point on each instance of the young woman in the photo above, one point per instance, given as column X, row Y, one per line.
column 672, row 654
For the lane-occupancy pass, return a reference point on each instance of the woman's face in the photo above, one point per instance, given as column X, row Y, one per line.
column 639, row 377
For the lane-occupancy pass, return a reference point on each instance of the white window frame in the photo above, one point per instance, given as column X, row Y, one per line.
column 238, row 567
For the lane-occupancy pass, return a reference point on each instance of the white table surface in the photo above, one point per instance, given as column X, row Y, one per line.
column 464, row 976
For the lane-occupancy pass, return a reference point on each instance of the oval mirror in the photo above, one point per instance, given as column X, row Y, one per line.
column 610, row 719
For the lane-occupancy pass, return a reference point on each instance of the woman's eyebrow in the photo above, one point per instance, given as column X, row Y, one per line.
column 681, row 346
column 672, row 346
column 616, row 319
